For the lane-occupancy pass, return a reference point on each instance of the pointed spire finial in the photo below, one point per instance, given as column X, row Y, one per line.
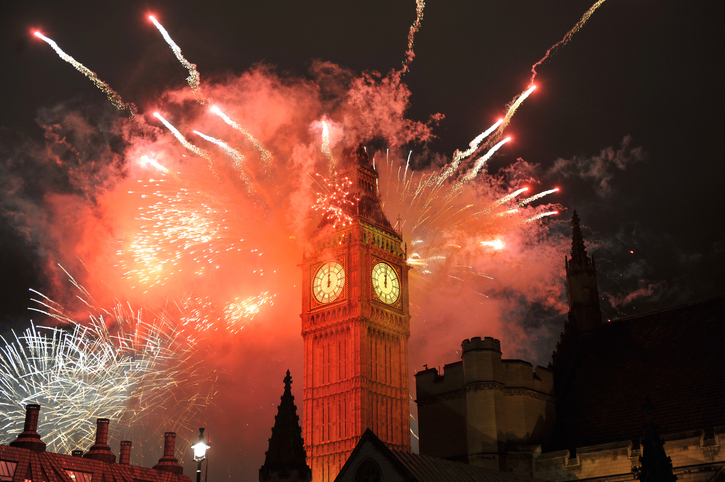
column 578, row 251
column 288, row 382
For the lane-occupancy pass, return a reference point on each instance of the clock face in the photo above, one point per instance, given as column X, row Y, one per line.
column 386, row 283
column 329, row 281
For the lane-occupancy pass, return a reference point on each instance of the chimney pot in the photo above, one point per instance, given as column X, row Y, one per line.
column 30, row 439
column 168, row 462
column 101, row 450
column 125, row 455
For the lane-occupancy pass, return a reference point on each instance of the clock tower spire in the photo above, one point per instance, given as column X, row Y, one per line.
column 355, row 327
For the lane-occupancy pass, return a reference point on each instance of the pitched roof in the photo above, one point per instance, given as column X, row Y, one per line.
column 432, row 469
column 21, row 462
column 673, row 356
column 421, row 468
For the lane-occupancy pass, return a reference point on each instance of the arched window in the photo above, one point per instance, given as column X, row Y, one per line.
column 368, row 471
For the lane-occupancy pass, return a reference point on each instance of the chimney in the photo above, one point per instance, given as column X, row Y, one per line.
column 77, row 453
column 125, row 456
column 30, row 439
column 168, row 462
column 101, row 450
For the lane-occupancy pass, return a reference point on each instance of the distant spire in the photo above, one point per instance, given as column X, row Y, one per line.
column 578, row 251
column 285, row 459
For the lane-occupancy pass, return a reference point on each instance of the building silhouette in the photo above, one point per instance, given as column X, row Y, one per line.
column 286, row 458
column 497, row 413
column 355, row 326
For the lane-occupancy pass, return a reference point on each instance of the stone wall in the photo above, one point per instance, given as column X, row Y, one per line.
column 695, row 458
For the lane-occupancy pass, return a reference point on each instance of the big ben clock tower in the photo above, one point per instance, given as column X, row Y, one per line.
column 355, row 326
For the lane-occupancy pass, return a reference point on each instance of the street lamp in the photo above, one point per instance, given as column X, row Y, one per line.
column 200, row 449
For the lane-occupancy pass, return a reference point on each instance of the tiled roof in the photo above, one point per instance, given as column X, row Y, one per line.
column 51, row 467
column 432, row 469
column 676, row 357
column 421, row 468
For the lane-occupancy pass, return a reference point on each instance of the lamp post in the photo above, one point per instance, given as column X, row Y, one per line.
column 200, row 449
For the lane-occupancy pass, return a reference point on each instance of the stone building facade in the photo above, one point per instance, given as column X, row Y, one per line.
column 479, row 410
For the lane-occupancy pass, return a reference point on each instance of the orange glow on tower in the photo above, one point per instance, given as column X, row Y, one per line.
column 355, row 326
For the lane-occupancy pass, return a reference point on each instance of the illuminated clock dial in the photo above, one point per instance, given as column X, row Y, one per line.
column 386, row 283
column 329, row 281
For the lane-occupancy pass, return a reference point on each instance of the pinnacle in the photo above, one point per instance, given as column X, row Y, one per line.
column 578, row 251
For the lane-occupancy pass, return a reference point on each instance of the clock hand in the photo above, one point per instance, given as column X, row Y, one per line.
column 386, row 280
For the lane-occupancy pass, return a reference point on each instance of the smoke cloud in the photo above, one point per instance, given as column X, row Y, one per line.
column 214, row 245
column 600, row 169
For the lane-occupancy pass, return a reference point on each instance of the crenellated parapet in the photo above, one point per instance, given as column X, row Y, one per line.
column 482, row 407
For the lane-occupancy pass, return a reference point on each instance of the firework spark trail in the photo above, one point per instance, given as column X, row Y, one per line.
column 147, row 160
column 410, row 54
column 237, row 157
column 193, row 78
column 482, row 160
column 537, row 196
column 566, row 38
column 511, row 196
column 83, row 372
column 511, row 110
column 541, row 215
column 473, row 146
column 246, row 176
column 188, row 145
column 266, row 155
column 325, row 148
column 104, row 87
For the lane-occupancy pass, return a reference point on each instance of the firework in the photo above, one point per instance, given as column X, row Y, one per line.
column 473, row 146
column 566, row 38
column 147, row 160
column 104, row 87
column 239, row 311
column 235, row 155
column 326, row 148
column 193, row 78
column 538, row 196
column 336, row 202
column 188, row 145
column 132, row 373
column 510, row 111
column 541, row 215
column 482, row 160
column 495, row 244
column 180, row 227
column 410, row 54
column 266, row 155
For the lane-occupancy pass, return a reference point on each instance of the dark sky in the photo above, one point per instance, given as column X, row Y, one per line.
column 631, row 107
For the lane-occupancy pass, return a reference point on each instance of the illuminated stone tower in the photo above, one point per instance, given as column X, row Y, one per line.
column 355, row 326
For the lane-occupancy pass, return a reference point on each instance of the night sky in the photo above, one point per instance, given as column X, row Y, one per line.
column 626, row 118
